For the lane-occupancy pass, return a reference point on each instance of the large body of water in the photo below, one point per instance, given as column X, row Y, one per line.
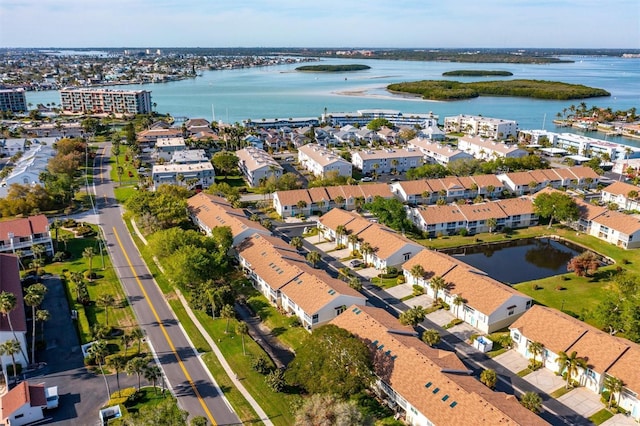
column 519, row 260
column 282, row 92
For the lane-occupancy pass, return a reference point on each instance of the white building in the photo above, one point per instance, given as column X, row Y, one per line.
column 198, row 175
column 487, row 149
column 320, row 161
column 166, row 147
column 256, row 165
column 189, row 156
column 28, row 168
column 365, row 116
column 625, row 195
column 13, row 100
column 10, row 147
column 475, row 125
column 435, row 152
column 98, row 100
column 387, row 160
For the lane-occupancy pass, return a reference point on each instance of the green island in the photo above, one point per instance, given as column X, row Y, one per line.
column 539, row 89
column 333, row 68
column 476, row 73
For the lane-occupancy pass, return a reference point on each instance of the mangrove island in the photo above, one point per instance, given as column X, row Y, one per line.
column 333, row 68
column 476, row 73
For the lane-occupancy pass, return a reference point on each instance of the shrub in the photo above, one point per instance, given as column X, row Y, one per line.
column 121, row 398
column 295, row 322
column 261, row 365
column 59, row 256
column 84, row 231
column 463, row 232
column 401, row 279
column 535, row 365
column 418, row 290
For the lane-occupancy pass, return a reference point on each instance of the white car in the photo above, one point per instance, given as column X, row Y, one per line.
column 366, row 179
column 355, row 263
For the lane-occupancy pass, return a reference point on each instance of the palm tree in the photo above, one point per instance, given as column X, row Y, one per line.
column 489, row 378
column 413, row 316
column 65, row 239
column 354, row 283
column 296, row 242
column 105, row 301
column 20, row 254
column 242, row 329
column 340, row 231
column 98, row 351
column 535, row 348
column 417, row 272
column 457, row 301
column 339, row 201
column 366, row 249
column 227, row 312
column 118, row 362
column 394, row 164
column 38, row 250
column 126, row 341
column 313, row 257
column 34, row 295
column 88, row 253
column 492, row 222
column 153, row 373
column 137, row 334
column 431, row 337
column 42, row 315
column 7, row 304
column 437, row 284
column 11, row 348
column 614, row 385
column 570, row 364
column 136, row 366
column 531, row 401
column 353, row 239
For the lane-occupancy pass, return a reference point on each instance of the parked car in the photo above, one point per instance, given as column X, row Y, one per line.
column 355, row 263
column 366, row 179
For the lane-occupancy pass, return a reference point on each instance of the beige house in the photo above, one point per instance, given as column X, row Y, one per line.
column 320, row 161
column 625, row 195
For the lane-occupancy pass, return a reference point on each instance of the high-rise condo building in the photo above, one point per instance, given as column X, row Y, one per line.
column 94, row 100
column 13, row 100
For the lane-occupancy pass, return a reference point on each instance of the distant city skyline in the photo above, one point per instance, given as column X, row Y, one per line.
column 329, row 23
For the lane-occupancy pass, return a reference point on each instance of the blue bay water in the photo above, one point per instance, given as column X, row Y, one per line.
column 282, row 92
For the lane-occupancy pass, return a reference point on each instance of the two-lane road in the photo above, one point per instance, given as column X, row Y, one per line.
column 192, row 384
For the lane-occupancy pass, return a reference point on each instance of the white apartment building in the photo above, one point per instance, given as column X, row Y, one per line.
column 386, row 160
column 92, row 100
column 320, row 161
column 364, row 116
column 13, row 100
column 256, row 165
column 196, row 175
column 475, row 125
column 435, row 152
column 487, row 149
column 166, row 147
column 189, row 156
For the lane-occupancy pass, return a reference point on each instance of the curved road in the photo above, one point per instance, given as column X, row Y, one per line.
column 192, row 384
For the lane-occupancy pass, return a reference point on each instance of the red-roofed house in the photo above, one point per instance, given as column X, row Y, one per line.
column 21, row 234
column 23, row 405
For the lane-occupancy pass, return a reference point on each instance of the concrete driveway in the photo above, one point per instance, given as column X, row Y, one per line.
column 619, row 420
column 400, row 291
column 545, row 380
column 582, row 401
column 422, row 300
column 512, row 361
column 440, row 317
column 369, row 273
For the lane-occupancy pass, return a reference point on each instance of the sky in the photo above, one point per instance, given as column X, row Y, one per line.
column 324, row 23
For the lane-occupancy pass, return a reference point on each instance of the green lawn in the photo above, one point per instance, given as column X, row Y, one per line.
column 601, row 416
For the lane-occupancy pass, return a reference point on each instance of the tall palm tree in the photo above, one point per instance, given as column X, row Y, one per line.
column 42, row 316
column 353, row 239
column 20, row 254
column 614, row 385
column 11, row 348
column 313, row 257
column 88, row 253
column 227, row 312
column 340, row 231
column 152, row 373
column 535, row 348
column 105, row 301
column 33, row 296
column 296, row 242
column 137, row 334
column 7, row 304
column 136, row 366
column 570, row 363
column 366, row 249
column 437, row 284
column 118, row 363
column 99, row 351
column 38, row 250
column 126, row 341
column 242, row 329
column 457, row 301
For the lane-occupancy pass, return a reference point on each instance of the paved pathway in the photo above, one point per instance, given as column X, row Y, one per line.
column 620, row 420
column 583, row 401
column 545, row 380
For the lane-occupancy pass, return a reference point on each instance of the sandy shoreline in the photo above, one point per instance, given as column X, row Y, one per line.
column 364, row 93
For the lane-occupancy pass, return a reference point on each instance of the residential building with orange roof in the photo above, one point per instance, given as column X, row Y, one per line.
column 605, row 355
column 427, row 386
column 561, row 177
column 23, row 405
column 209, row 211
column 321, row 161
column 283, row 276
column 150, row 136
column 389, row 247
column 10, row 283
column 488, row 305
column 617, row 228
column 322, row 199
column 625, row 195
column 449, row 219
column 23, row 233
column 428, row 191
column 435, row 152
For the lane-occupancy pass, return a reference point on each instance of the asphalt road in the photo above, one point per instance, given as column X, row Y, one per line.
column 192, row 384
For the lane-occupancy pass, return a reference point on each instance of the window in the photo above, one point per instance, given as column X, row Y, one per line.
column 315, row 319
column 516, row 336
column 511, row 310
column 406, row 256
column 528, row 304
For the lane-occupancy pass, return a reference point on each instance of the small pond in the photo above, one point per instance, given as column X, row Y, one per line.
column 513, row 262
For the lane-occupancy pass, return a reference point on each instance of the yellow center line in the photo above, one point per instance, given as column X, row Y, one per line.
column 164, row 331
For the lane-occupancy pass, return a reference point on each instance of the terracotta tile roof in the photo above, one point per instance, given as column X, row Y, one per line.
column 583, row 172
column 600, row 349
column 441, row 214
column 329, row 193
column 376, row 189
column 540, row 176
column 521, row 178
column 216, row 211
column 417, row 375
column 10, row 282
column 25, row 227
column 626, row 368
column 415, row 187
column 314, row 289
column 627, row 224
column 352, row 221
column 481, row 292
column 536, row 323
column 565, row 173
column 452, row 183
column 352, row 191
column 516, row 206
column 387, row 241
column 292, row 197
column 20, row 395
column 589, row 211
column 484, row 181
column 621, row 188
column 482, row 211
